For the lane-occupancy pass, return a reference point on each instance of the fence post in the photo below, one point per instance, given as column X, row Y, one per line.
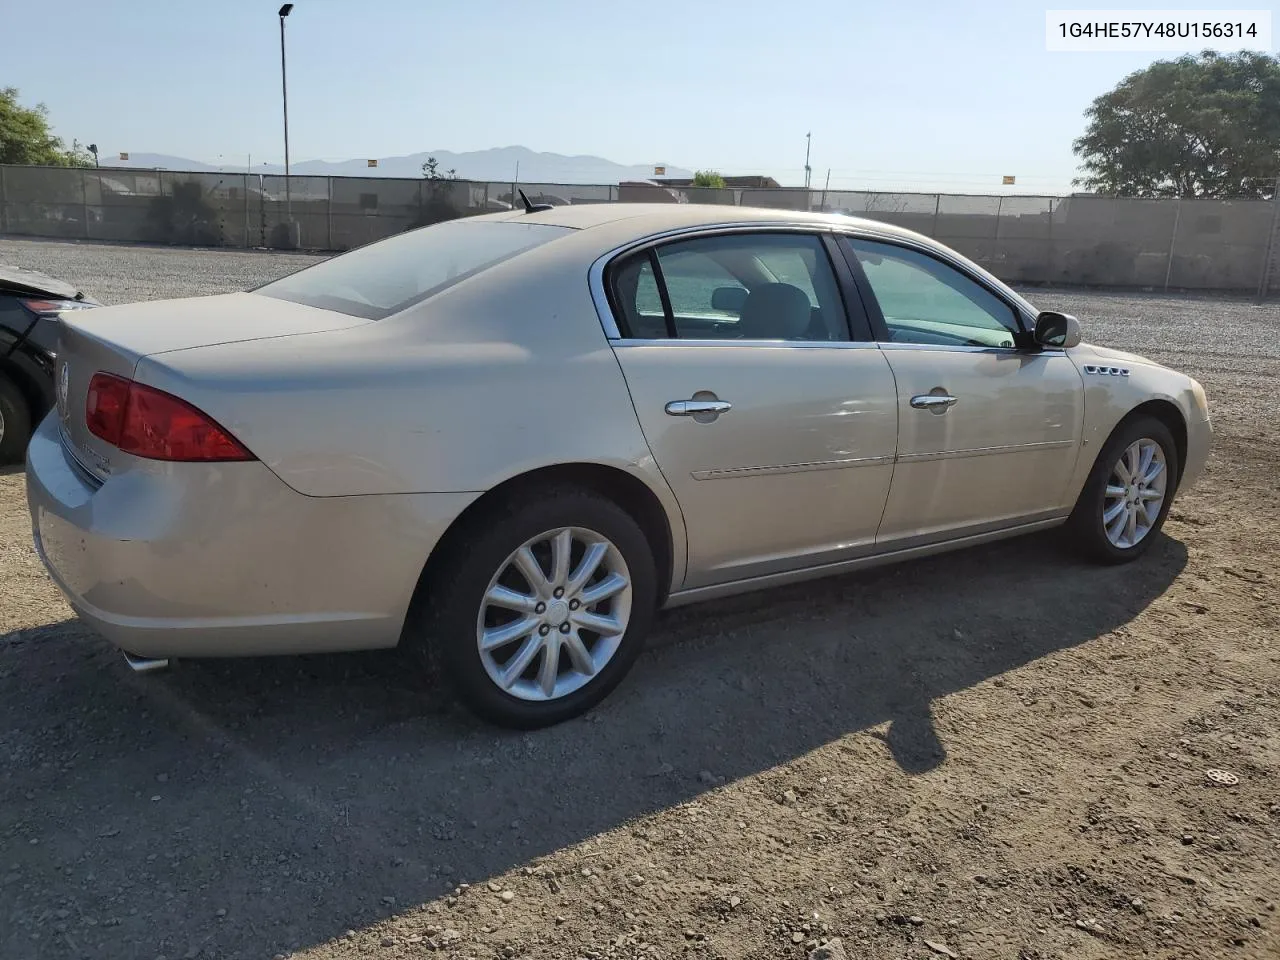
column 1049, row 257
column 937, row 204
column 4, row 204
column 328, row 211
column 999, row 212
column 1173, row 240
column 1273, row 246
column 245, row 181
column 84, row 200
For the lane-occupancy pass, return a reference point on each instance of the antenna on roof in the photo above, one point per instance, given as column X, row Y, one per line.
column 533, row 207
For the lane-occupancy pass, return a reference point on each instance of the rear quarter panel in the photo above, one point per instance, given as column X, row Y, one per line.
column 503, row 373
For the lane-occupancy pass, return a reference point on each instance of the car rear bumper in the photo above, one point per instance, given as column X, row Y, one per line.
column 211, row 560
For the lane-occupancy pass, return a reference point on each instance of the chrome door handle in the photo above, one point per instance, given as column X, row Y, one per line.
column 690, row 408
column 933, row 401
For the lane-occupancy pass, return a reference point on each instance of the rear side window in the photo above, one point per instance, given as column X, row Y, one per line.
column 383, row 278
column 751, row 286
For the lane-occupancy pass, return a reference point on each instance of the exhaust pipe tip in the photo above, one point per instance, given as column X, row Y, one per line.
column 144, row 664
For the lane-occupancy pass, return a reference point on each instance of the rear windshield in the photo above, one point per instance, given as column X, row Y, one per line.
column 386, row 277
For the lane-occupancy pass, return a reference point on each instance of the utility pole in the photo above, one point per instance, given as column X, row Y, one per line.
column 284, row 89
column 807, row 138
column 822, row 207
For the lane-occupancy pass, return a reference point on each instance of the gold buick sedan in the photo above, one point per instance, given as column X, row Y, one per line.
column 504, row 442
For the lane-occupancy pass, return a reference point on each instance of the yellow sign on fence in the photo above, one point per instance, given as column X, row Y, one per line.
column 659, row 171
column 124, row 156
column 373, row 163
column 1008, row 181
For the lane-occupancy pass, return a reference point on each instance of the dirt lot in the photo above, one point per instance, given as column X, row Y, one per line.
column 1009, row 762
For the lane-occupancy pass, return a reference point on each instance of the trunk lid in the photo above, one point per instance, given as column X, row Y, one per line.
column 114, row 339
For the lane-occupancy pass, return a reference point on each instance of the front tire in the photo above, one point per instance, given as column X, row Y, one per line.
column 537, row 610
column 1128, row 493
column 15, row 423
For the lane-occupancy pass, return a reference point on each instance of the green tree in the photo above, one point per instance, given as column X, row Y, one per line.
column 431, row 170
column 1198, row 126
column 708, row 178
column 25, row 136
column 437, row 203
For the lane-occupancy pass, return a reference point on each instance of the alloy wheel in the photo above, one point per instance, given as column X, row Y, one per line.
column 554, row 614
column 1135, row 493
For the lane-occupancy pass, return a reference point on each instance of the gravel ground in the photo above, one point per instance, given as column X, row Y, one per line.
column 1005, row 764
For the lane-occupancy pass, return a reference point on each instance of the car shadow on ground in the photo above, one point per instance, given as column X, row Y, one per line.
column 305, row 796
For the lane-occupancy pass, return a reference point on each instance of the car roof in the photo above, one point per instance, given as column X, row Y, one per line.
column 653, row 218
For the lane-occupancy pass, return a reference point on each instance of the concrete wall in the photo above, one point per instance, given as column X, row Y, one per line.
column 1161, row 244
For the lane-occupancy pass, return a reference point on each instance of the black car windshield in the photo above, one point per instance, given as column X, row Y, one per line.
column 383, row 278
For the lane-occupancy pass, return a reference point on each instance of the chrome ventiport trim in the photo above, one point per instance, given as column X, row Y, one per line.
column 1097, row 370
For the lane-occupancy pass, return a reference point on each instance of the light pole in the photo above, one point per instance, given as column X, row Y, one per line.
column 284, row 89
column 807, row 137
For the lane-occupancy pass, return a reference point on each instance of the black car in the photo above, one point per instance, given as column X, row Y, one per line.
column 29, row 307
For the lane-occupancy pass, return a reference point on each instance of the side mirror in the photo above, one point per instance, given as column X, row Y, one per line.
column 1057, row 330
column 728, row 299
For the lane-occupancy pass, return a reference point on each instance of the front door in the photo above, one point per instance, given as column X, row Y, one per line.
column 988, row 431
column 774, row 428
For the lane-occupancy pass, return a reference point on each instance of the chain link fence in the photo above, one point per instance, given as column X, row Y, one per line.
column 1095, row 241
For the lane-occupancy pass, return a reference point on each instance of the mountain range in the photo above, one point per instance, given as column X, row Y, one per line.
column 498, row 163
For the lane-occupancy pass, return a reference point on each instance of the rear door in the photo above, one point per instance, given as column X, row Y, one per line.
column 989, row 425
column 773, row 420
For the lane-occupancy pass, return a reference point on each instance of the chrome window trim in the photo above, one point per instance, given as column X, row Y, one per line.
column 950, row 348
column 1023, row 309
column 624, row 342
column 600, row 297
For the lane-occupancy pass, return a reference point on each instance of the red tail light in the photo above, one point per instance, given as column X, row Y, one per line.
column 153, row 424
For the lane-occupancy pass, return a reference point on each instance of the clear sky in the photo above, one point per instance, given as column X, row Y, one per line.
column 898, row 95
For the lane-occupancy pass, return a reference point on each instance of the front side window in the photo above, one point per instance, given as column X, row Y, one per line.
column 383, row 278
column 926, row 301
column 732, row 287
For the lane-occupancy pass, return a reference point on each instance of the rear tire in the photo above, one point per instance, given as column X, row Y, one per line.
column 457, row 631
column 1121, row 509
column 15, row 422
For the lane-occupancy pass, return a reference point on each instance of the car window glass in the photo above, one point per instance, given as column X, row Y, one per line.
column 735, row 287
column 692, row 277
column 790, row 266
column 637, row 300
column 926, row 301
column 383, row 278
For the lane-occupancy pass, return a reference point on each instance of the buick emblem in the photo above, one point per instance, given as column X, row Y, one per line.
column 64, row 386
